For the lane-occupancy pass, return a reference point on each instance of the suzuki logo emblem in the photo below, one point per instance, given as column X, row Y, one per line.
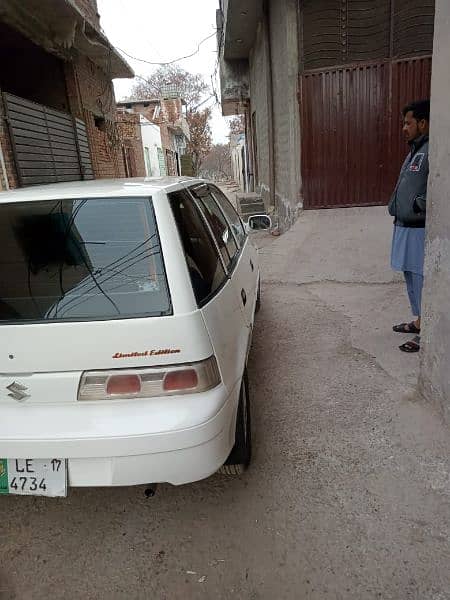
column 18, row 391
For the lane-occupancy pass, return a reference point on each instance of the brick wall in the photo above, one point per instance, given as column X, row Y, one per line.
column 106, row 148
column 170, row 112
column 91, row 97
column 171, row 162
column 129, row 130
column 166, row 137
column 95, row 88
column 8, row 157
column 171, row 109
column 145, row 111
column 167, row 142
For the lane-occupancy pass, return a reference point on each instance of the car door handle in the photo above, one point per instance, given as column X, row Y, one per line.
column 244, row 297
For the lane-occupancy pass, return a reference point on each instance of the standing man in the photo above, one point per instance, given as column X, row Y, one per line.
column 408, row 206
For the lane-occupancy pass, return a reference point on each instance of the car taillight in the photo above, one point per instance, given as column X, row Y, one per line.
column 180, row 380
column 148, row 382
column 117, row 385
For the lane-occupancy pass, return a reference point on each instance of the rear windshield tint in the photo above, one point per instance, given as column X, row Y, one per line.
column 87, row 259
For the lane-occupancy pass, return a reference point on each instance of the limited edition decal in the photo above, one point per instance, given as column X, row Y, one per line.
column 147, row 353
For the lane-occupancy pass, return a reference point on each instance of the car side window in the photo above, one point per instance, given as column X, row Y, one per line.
column 205, row 267
column 231, row 215
column 220, row 228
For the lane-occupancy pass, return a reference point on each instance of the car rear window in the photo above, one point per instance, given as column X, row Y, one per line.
column 205, row 268
column 88, row 259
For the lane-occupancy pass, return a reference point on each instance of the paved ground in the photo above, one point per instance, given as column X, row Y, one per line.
column 349, row 493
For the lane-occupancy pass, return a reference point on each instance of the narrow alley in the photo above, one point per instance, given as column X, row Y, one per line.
column 348, row 495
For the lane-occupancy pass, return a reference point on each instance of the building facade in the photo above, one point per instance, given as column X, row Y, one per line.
column 340, row 76
column 321, row 84
column 153, row 151
column 168, row 114
column 130, row 140
column 239, row 161
column 57, row 105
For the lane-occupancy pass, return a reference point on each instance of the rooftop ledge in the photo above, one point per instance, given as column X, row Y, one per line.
column 60, row 28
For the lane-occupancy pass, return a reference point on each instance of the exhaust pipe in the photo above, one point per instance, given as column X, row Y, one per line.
column 150, row 491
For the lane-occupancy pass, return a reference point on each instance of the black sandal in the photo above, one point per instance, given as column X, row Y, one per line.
column 411, row 346
column 406, row 328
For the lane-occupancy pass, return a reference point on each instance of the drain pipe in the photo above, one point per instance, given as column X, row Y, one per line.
column 270, row 109
column 3, row 167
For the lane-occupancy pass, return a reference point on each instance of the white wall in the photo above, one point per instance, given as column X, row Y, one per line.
column 238, row 165
column 151, row 139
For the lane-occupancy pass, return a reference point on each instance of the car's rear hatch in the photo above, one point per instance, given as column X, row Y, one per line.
column 82, row 288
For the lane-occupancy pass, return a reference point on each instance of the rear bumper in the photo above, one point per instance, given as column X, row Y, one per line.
column 176, row 440
column 176, row 467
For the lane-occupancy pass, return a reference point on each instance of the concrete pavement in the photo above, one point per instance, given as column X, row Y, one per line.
column 348, row 496
column 342, row 257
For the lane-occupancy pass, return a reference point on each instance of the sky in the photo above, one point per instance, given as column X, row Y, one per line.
column 160, row 31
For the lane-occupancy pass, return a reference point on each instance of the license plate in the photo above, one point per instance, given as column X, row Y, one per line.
column 33, row 476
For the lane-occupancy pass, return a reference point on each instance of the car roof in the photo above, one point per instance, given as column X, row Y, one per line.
column 98, row 188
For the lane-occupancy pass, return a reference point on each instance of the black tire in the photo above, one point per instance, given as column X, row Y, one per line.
column 241, row 454
column 258, row 298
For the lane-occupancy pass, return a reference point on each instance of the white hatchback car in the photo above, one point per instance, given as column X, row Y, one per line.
column 126, row 317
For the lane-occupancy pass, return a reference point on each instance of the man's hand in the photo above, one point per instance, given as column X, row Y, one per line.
column 420, row 204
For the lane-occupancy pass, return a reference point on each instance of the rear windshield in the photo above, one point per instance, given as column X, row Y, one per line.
column 87, row 259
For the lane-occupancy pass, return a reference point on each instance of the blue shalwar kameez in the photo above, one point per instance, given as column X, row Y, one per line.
column 407, row 255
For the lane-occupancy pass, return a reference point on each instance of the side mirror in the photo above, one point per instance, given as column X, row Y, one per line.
column 259, row 223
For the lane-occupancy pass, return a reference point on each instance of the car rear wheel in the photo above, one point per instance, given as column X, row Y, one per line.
column 241, row 454
column 258, row 297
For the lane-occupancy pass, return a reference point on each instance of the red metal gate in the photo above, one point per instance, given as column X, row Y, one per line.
column 352, row 146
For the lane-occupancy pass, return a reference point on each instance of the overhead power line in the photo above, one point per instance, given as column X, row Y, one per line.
column 170, row 62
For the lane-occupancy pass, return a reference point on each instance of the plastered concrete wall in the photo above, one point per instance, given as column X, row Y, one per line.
column 151, row 139
column 283, row 17
column 259, row 104
column 435, row 363
column 234, row 84
column 286, row 152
